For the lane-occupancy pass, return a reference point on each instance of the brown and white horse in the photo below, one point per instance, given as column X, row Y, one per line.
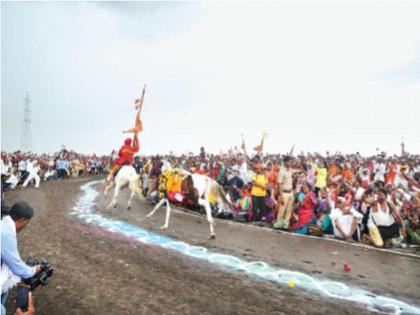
column 197, row 188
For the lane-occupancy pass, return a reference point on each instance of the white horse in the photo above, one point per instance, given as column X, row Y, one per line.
column 204, row 186
column 126, row 176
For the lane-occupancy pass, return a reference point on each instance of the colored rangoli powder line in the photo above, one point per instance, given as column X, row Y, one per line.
column 293, row 279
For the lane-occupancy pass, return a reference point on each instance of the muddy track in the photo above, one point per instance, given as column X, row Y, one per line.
column 98, row 272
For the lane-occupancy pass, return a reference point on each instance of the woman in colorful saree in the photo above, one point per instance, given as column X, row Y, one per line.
column 306, row 215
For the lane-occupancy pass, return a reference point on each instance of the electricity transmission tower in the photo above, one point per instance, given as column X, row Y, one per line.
column 26, row 137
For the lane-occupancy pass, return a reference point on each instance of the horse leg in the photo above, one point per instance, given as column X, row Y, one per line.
column 108, row 187
column 168, row 214
column 135, row 188
column 155, row 208
column 206, row 205
column 114, row 199
column 129, row 199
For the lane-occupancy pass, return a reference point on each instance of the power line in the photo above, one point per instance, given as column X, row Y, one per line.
column 26, row 137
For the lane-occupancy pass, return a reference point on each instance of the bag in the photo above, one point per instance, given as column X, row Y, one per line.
column 375, row 236
column 315, row 230
column 241, row 216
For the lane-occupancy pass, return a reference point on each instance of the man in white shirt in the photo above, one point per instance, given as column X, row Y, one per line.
column 13, row 179
column 5, row 166
column 344, row 219
column 242, row 168
column 380, row 171
column 358, row 191
column 22, row 167
column 13, row 268
column 33, row 169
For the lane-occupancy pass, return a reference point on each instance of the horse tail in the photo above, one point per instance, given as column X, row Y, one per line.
column 219, row 192
column 135, row 182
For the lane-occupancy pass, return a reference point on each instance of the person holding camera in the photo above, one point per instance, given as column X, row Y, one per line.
column 13, row 269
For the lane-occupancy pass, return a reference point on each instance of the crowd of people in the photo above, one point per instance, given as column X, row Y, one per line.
column 20, row 169
column 375, row 199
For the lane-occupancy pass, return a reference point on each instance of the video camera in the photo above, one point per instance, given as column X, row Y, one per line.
column 30, row 284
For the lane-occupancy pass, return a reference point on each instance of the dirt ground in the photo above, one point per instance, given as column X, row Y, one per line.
column 97, row 272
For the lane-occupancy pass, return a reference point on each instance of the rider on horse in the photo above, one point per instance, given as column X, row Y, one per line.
column 125, row 154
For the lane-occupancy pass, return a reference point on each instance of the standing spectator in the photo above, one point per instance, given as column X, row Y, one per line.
column 272, row 177
column 287, row 197
column 33, row 169
column 392, row 173
column 310, row 177
column 66, row 166
column 380, row 171
column 60, row 167
column 22, row 169
column 100, row 166
column 259, row 185
column 203, row 155
column 93, row 166
column 138, row 165
column 5, row 169
column 321, row 177
column 75, row 167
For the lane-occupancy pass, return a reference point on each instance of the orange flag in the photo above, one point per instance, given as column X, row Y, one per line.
column 138, row 125
column 259, row 148
column 243, row 143
column 292, row 149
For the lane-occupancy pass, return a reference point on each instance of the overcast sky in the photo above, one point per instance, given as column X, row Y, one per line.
column 326, row 76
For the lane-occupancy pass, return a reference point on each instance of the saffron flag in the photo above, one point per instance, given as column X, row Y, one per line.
column 402, row 147
column 292, row 149
column 243, row 143
column 259, row 148
column 138, row 124
column 139, row 104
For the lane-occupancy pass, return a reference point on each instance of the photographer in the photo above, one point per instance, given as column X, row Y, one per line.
column 12, row 266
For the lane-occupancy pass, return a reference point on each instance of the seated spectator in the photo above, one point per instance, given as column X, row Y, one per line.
column 345, row 219
column 13, row 180
column 412, row 224
column 386, row 218
column 242, row 211
column 270, row 206
column 235, row 185
column 50, row 174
